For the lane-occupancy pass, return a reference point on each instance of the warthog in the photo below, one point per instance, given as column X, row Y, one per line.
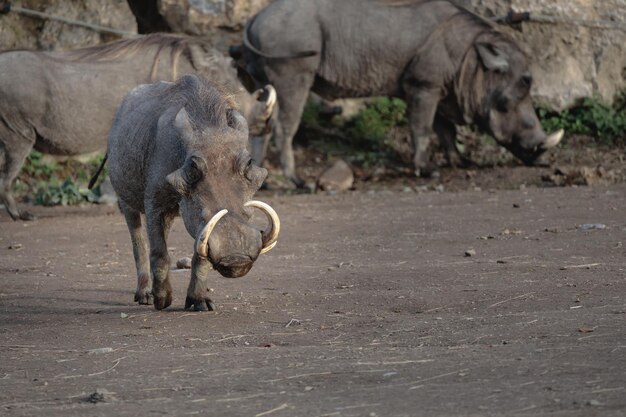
column 180, row 148
column 451, row 66
column 62, row 103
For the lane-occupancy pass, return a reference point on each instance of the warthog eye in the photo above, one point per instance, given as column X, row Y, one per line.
column 501, row 103
column 526, row 81
column 193, row 170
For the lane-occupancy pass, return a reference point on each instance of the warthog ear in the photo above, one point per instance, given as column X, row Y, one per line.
column 183, row 125
column 177, row 182
column 492, row 57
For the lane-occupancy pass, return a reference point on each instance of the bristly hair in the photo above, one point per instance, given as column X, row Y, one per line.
column 125, row 47
column 206, row 103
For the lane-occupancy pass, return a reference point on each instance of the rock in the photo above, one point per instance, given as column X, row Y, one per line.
column 184, row 263
column 338, row 177
column 470, row 252
column 200, row 17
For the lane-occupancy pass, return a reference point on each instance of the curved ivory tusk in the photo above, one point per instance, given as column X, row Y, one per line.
column 270, row 102
column 270, row 236
column 202, row 247
column 554, row 139
column 271, row 99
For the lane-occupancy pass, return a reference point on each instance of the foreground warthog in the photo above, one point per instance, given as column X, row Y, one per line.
column 62, row 103
column 180, row 148
column 451, row 66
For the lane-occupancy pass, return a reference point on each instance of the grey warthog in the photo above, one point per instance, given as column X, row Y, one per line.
column 62, row 103
column 180, row 148
column 451, row 66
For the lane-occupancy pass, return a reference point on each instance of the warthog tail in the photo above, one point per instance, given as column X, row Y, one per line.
column 93, row 179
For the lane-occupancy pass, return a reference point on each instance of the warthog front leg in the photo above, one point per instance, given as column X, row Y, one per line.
column 158, row 225
column 143, row 294
column 197, row 293
column 446, row 132
column 422, row 105
column 292, row 89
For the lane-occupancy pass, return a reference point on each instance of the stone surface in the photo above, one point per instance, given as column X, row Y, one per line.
column 199, row 17
column 338, row 177
column 570, row 60
column 20, row 31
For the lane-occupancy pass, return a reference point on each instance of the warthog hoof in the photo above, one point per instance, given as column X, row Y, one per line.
column 144, row 296
column 162, row 294
column 21, row 215
column 203, row 304
column 429, row 171
column 24, row 215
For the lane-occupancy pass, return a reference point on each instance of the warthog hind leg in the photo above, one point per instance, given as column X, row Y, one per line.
column 12, row 156
column 197, row 293
column 143, row 294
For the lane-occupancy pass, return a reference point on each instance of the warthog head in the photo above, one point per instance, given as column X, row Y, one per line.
column 502, row 82
column 216, row 183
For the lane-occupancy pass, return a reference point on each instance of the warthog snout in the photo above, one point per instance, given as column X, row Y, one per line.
column 234, row 245
column 529, row 152
column 234, row 266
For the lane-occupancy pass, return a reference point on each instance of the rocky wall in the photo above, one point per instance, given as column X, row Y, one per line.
column 20, row 31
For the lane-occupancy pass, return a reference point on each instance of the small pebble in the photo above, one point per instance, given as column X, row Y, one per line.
column 184, row 263
column 592, row 226
column 470, row 252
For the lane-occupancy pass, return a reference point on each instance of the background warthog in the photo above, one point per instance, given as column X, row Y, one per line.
column 181, row 148
column 63, row 103
column 451, row 66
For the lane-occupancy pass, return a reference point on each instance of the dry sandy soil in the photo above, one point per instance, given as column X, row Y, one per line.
column 368, row 306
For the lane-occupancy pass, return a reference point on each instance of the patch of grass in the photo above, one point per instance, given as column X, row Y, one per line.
column 67, row 193
column 374, row 122
column 363, row 139
column 48, row 182
column 590, row 117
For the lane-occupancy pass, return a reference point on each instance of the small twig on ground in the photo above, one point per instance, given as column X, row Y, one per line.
column 298, row 376
column 117, row 362
column 579, row 266
column 511, row 299
column 280, row 407
column 187, row 314
column 293, row 321
column 17, row 346
column 233, row 337
column 437, row 377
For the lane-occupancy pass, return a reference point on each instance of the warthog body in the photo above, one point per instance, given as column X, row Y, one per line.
column 451, row 66
column 181, row 148
column 62, row 103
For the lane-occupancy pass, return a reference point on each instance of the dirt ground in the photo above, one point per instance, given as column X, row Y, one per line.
column 368, row 306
